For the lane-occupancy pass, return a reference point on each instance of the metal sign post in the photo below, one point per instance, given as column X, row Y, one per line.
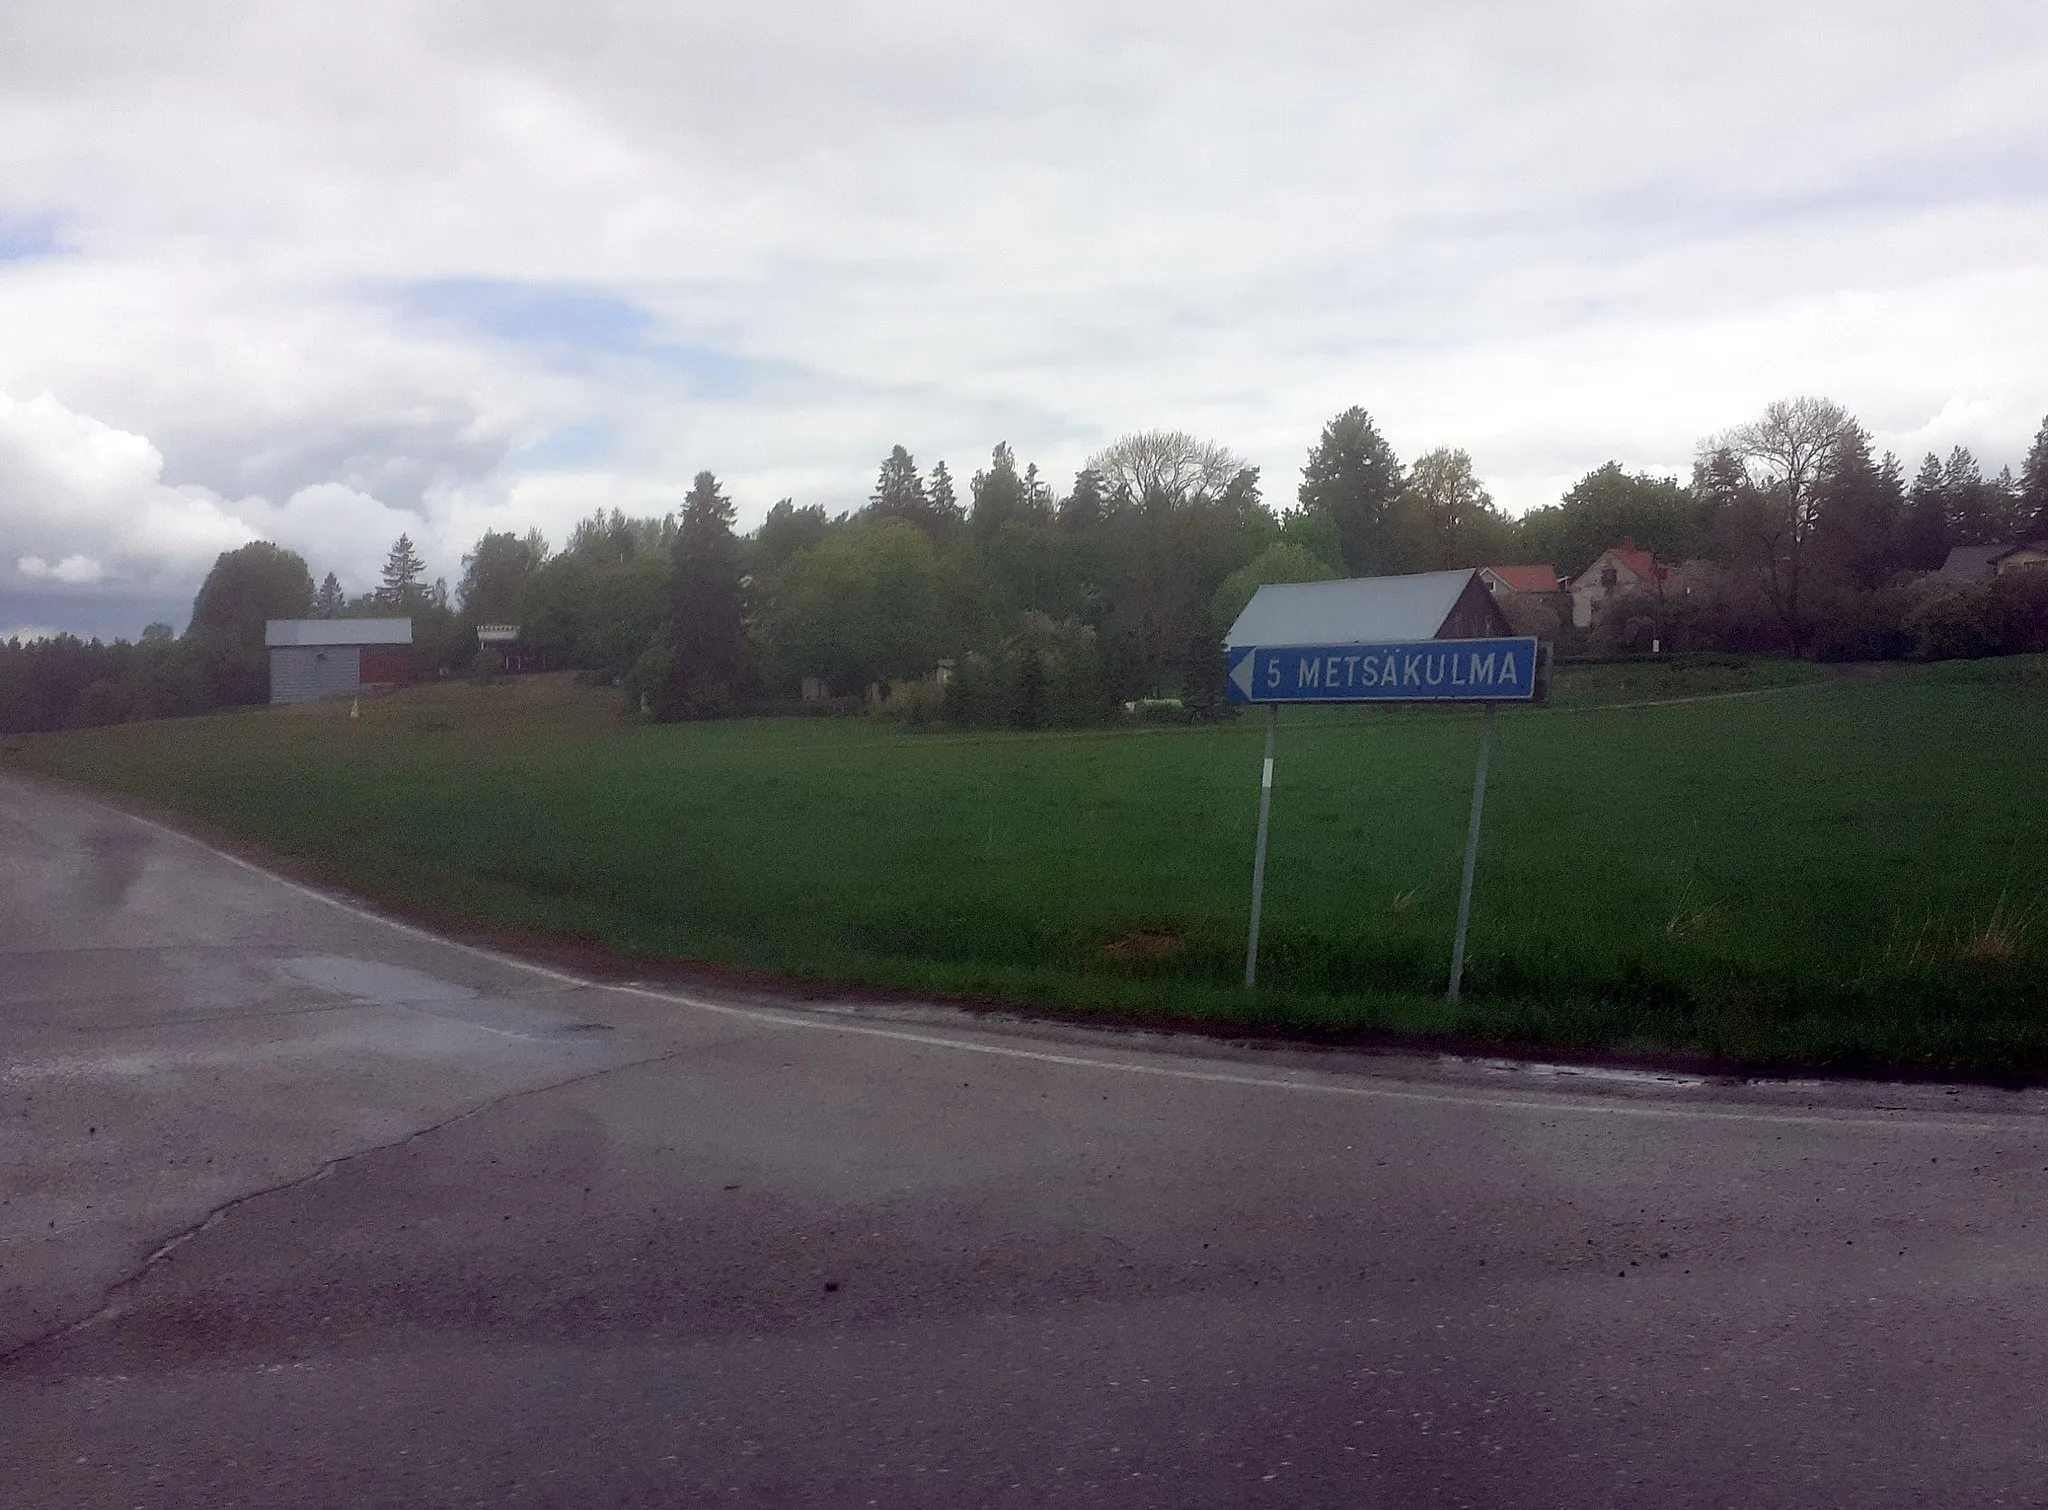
column 1484, row 671
column 1251, row 949
column 1471, row 854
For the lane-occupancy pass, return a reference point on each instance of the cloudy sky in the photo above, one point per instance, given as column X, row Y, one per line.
column 323, row 273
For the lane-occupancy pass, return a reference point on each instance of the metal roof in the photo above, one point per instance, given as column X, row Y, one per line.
column 1355, row 611
column 1970, row 563
column 337, row 632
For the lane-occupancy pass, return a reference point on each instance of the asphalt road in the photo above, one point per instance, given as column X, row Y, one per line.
column 302, row 1207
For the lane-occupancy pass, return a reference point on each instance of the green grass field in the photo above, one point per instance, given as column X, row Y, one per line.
column 1831, row 870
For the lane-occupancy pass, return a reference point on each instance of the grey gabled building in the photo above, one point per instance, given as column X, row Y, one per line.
column 1431, row 605
column 315, row 658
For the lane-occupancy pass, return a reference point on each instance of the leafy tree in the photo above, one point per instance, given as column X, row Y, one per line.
column 593, row 613
column 1158, row 570
column 787, row 530
column 1443, row 518
column 2031, row 495
column 615, row 537
column 1315, row 531
column 1283, row 561
column 330, row 600
column 706, row 611
column 400, row 576
column 247, row 587
column 441, row 643
column 1165, row 469
column 1923, row 532
column 496, row 574
column 1036, row 567
column 1605, row 507
column 873, row 602
column 1351, row 479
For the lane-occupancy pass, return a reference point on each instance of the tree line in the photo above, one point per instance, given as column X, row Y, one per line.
column 1052, row 607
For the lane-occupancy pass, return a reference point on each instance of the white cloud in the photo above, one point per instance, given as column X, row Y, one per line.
column 92, row 498
column 1548, row 234
column 73, row 571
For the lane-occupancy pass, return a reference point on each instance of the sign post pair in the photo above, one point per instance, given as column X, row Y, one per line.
column 1484, row 671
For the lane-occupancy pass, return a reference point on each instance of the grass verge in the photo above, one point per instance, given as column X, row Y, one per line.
column 1838, row 872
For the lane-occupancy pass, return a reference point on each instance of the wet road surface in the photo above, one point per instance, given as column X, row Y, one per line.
column 303, row 1207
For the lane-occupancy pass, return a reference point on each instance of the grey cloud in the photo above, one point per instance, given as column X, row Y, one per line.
column 479, row 265
column 399, row 461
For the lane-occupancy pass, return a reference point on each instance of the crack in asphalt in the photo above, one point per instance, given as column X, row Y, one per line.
column 113, row 1293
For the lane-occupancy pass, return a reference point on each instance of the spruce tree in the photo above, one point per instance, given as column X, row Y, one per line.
column 1353, row 476
column 2033, row 486
column 899, row 491
column 1087, row 505
column 707, row 625
column 1000, row 494
column 941, row 500
column 401, row 575
column 330, row 600
column 1856, row 513
column 1977, row 508
column 1924, row 537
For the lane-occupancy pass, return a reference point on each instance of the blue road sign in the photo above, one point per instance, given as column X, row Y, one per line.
column 1424, row 671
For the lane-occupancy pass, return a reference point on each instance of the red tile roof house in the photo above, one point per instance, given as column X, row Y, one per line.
column 1620, row 571
column 1503, row 580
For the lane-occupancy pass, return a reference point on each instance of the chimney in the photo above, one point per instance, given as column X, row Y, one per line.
column 1628, row 542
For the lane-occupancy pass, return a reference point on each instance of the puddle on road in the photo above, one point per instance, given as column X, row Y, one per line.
column 369, row 980
column 415, row 990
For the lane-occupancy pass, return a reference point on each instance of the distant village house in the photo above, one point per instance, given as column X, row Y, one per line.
column 1619, row 572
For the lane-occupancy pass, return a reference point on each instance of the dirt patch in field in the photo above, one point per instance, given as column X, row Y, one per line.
column 1147, row 945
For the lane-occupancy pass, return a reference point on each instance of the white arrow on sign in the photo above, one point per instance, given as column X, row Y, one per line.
column 1241, row 673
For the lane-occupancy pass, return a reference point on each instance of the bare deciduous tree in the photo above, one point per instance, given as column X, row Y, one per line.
column 1785, row 455
column 1166, row 468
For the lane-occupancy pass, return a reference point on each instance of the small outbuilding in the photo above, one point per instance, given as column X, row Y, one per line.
column 315, row 658
column 1431, row 605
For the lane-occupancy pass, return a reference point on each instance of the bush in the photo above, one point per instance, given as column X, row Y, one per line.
column 1532, row 615
column 918, row 704
column 647, row 684
column 1048, row 675
column 2006, row 616
column 1704, row 620
column 1865, row 626
column 1159, row 710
